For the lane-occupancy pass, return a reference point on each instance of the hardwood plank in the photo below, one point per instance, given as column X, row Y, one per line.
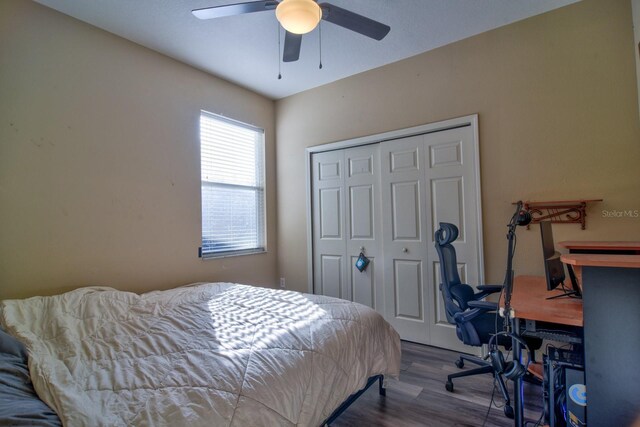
column 419, row 397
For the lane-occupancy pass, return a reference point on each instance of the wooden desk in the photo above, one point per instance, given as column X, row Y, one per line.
column 595, row 247
column 529, row 301
column 602, row 260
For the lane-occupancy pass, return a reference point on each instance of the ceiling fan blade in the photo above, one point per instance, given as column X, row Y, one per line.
column 354, row 22
column 234, row 9
column 292, row 44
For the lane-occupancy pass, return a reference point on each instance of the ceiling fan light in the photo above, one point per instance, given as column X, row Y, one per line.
column 298, row 16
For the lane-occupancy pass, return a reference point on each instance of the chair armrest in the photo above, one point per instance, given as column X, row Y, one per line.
column 486, row 290
column 490, row 288
column 468, row 315
column 484, row 305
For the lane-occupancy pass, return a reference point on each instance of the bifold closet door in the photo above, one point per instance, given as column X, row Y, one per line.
column 386, row 200
column 346, row 222
column 451, row 163
column 329, row 250
column 405, row 231
column 427, row 179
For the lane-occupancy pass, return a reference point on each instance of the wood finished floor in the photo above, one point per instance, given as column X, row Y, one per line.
column 419, row 397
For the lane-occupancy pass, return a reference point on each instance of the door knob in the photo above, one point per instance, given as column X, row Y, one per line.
column 361, row 248
column 405, row 250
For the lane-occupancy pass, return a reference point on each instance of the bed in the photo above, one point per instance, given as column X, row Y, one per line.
column 215, row 354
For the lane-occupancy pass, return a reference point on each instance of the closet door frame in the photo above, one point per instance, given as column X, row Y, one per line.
column 471, row 120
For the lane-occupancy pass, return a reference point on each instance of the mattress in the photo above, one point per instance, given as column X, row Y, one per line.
column 215, row 354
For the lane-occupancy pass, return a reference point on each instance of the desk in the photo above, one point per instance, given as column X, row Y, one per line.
column 595, row 247
column 612, row 248
column 578, row 260
column 601, row 260
column 611, row 298
column 529, row 303
column 610, row 316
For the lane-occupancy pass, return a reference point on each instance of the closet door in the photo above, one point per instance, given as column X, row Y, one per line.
column 428, row 179
column 451, row 171
column 387, row 200
column 363, row 225
column 346, row 222
column 329, row 250
column 405, row 237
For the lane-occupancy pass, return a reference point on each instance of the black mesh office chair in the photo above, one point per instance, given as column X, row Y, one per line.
column 474, row 318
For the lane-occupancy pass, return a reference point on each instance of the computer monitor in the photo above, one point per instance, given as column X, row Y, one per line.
column 553, row 265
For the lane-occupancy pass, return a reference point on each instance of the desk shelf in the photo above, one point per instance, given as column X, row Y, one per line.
column 560, row 211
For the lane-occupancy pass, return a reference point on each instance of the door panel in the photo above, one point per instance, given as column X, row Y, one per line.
column 404, row 161
column 329, row 272
column 360, row 165
column 403, row 221
column 329, row 169
column 363, row 224
column 408, row 289
column 361, row 217
column 445, row 154
column 405, row 209
column 331, row 277
column 427, row 179
column 447, row 201
column 330, row 211
column 451, row 177
column 363, row 284
column 346, row 221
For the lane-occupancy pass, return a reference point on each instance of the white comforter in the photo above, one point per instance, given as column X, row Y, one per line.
column 213, row 354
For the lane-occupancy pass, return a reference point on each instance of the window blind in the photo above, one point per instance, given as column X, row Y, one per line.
column 232, row 177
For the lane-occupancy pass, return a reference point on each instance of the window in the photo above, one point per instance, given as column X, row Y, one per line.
column 232, row 175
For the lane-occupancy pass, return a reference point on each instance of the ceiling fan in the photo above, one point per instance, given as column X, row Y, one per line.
column 299, row 17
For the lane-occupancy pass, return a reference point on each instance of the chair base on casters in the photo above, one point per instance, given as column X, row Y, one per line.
column 484, row 368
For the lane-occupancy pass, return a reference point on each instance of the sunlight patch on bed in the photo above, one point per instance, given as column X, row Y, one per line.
column 261, row 318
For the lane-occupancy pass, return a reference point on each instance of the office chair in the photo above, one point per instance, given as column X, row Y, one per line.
column 475, row 319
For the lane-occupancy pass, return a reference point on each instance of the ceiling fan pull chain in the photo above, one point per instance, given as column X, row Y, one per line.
column 320, row 41
column 279, row 63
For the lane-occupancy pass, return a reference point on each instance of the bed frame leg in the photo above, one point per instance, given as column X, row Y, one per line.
column 381, row 388
column 371, row 381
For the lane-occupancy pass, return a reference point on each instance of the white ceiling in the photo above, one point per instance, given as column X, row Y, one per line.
column 244, row 49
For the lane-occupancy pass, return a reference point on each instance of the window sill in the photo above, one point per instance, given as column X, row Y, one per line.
column 233, row 254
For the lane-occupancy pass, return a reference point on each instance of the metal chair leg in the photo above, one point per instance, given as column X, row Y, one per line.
column 476, row 371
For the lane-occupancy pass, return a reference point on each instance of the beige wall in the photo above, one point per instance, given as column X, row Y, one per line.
column 99, row 179
column 635, row 7
column 99, row 160
column 557, row 100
